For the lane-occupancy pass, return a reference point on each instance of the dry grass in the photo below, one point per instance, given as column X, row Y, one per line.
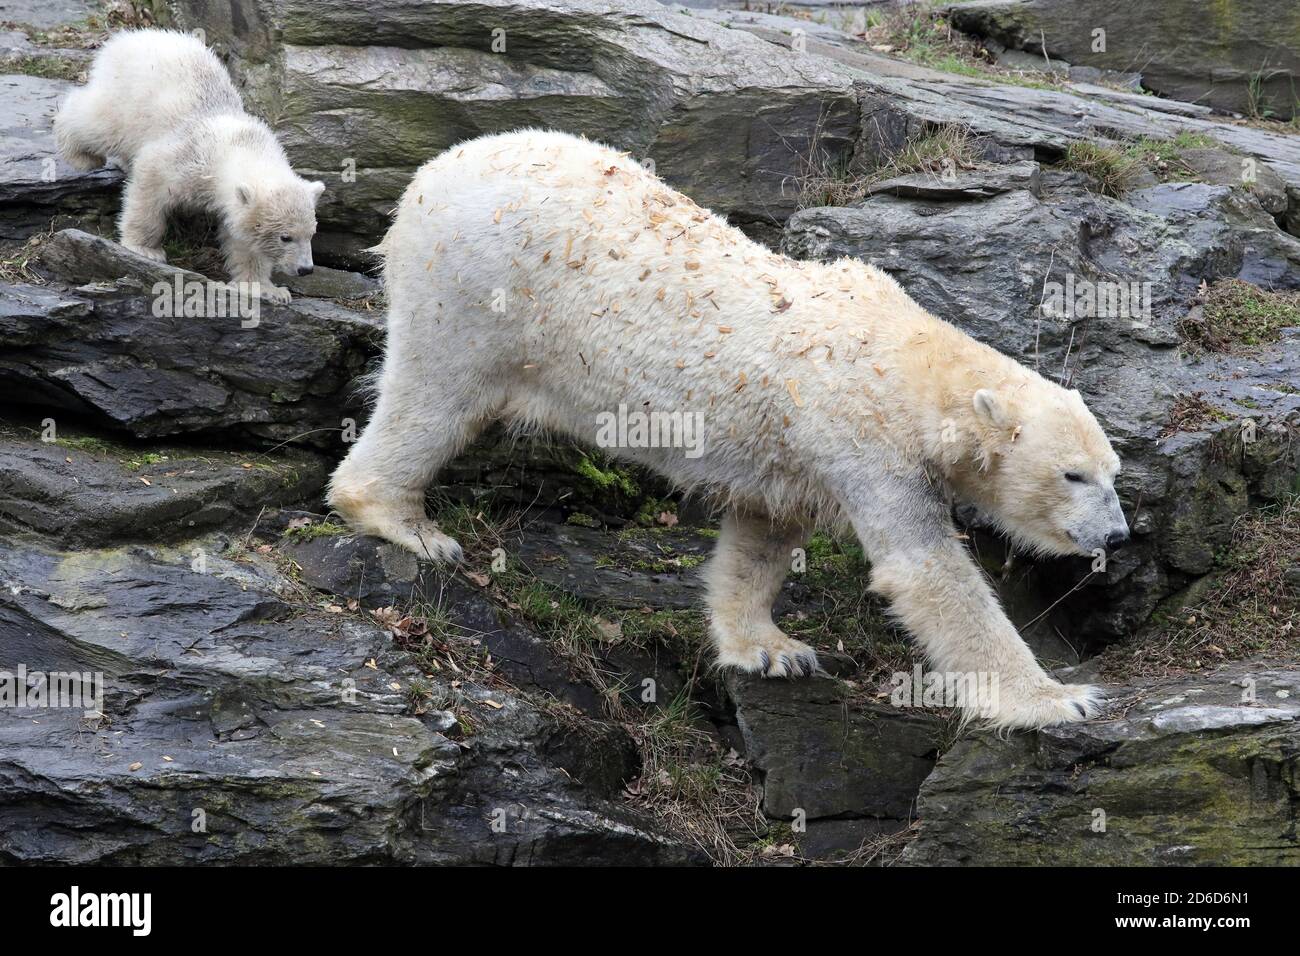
column 832, row 181
column 1250, row 609
column 693, row 789
column 1191, row 413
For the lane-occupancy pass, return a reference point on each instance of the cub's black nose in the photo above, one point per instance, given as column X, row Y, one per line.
column 306, row 270
column 1116, row 538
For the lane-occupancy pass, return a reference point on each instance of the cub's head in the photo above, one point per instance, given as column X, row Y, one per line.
column 279, row 219
column 1049, row 475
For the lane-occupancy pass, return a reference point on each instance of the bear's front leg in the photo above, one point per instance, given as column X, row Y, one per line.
column 246, row 266
column 145, row 204
column 944, row 600
column 751, row 560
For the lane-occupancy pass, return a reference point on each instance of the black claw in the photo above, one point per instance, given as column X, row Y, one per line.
column 809, row 662
column 1083, row 712
column 765, row 661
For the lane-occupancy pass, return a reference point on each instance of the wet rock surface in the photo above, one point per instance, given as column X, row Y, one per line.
column 81, row 490
column 239, row 727
column 1193, row 771
column 91, row 341
column 36, row 185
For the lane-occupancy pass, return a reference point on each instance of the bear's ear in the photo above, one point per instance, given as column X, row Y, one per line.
column 244, row 193
column 990, row 408
column 316, row 188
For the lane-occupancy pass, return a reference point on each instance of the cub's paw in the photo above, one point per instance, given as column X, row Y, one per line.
column 768, row 653
column 277, row 293
column 155, row 253
column 1043, row 704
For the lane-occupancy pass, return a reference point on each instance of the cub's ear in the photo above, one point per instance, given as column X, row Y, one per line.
column 991, row 408
column 244, row 193
column 316, row 188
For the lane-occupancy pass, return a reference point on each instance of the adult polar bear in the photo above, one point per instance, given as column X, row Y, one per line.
column 544, row 279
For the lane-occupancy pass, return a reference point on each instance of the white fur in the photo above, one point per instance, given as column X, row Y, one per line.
column 537, row 277
column 161, row 105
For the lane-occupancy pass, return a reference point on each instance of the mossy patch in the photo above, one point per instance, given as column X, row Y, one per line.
column 606, row 475
column 1235, row 314
column 319, row 529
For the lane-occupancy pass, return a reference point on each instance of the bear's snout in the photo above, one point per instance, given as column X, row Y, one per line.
column 306, row 270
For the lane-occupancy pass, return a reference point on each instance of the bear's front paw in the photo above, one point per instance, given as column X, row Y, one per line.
column 768, row 653
column 277, row 293
column 1043, row 703
column 155, row 253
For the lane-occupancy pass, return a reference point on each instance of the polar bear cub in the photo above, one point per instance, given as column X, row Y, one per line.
column 542, row 278
column 161, row 105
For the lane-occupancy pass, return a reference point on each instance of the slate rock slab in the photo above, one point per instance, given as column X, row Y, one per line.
column 1199, row 770
column 827, row 755
column 92, row 342
column 101, row 493
column 242, row 726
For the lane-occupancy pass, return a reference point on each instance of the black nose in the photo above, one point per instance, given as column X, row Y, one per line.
column 1116, row 538
column 305, row 270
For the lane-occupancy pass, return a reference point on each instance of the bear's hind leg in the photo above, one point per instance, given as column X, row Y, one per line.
column 417, row 428
column 74, row 133
column 752, row 558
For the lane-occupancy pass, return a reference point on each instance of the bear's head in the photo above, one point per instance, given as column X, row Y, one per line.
column 1047, row 470
column 279, row 219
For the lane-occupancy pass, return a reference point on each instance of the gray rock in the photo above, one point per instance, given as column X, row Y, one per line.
column 100, row 350
column 100, row 493
column 964, row 183
column 379, row 574
column 1092, row 75
column 828, row 755
column 327, row 283
column 1189, row 772
column 1186, row 52
column 35, row 183
column 44, row 14
column 1222, row 168
column 240, row 727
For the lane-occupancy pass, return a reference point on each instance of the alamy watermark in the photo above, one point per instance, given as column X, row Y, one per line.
column 638, row 429
column 208, row 300
column 1085, row 299
column 976, row 690
column 49, row 690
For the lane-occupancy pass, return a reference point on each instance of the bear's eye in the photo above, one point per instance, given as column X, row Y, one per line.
column 1075, row 477
column 286, row 238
